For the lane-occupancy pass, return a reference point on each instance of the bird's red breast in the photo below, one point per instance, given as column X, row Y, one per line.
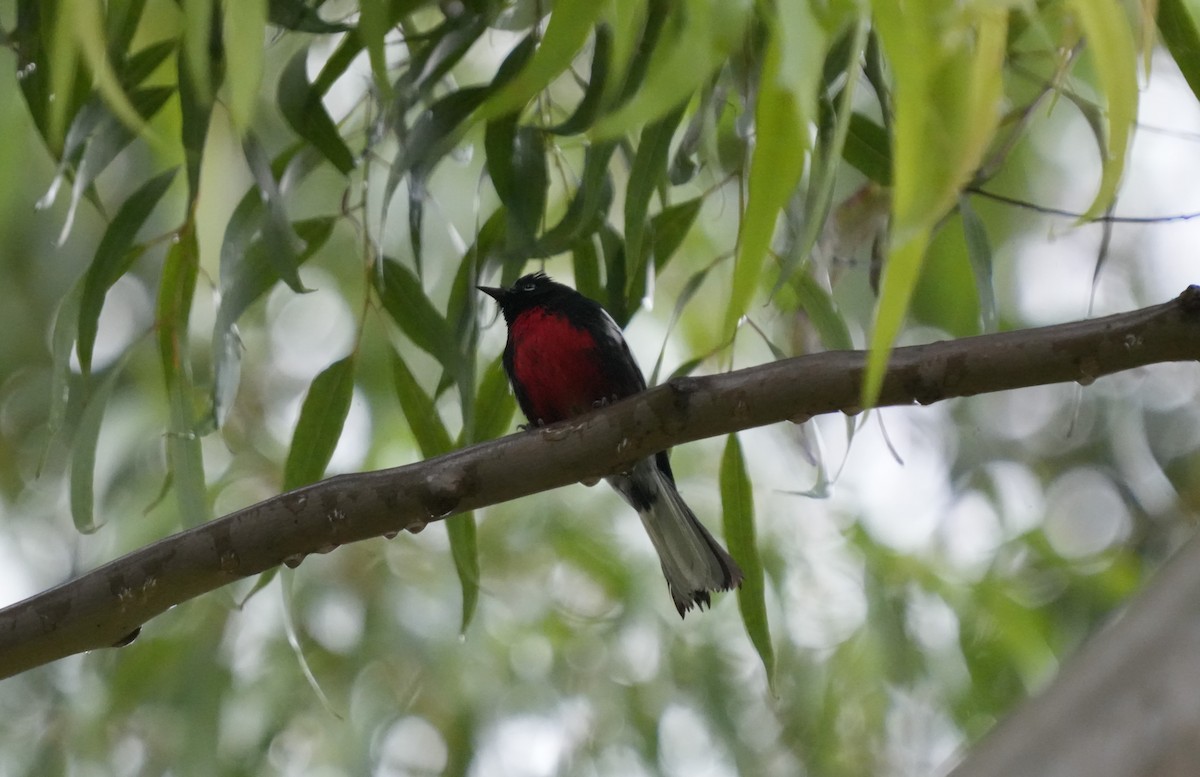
column 558, row 365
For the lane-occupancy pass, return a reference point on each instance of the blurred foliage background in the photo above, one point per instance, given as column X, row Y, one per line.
column 239, row 245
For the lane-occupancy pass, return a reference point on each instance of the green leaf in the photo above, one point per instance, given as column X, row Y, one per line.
column 564, row 37
column 585, row 266
column 649, row 171
column 195, row 78
column 93, row 142
column 283, row 245
column 737, row 506
column 439, row 51
column 52, row 81
column 245, row 25
column 587, row 209
column 246, row 275
column 589, row 107
column 1181, row 34
column 786, row 106
column 302, row 108
column 948, row 67
column 62, row 345
column 297, row 15
column 121, row 22
column 322, row 417
column 464, row 548
column 827, row 156
column 88, row 22
column 83, row 452
column 685, row 296
column 433, row 439
column 373, row 27
column 818, row 305
column 669, row 227
column 494, row 404
column 867, row 149
column 406, row 302
column 702, row 35
column 184, row 458
column 111, row 259
column 421, row 413
column 979, row 252
column 516, row 163
column 1110, row 44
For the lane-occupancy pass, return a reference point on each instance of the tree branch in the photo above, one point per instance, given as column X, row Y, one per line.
column 106, row 606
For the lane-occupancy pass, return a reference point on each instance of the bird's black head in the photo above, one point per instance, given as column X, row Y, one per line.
column 528, row 291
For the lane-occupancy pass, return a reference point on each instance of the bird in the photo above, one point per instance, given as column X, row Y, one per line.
column 566, row 356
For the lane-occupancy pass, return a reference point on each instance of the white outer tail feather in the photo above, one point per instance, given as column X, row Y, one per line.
column 692, row 561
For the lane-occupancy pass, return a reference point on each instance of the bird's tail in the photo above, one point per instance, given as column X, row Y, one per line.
column 692, row 561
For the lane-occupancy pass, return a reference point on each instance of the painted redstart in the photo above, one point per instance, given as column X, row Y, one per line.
column 566, row 356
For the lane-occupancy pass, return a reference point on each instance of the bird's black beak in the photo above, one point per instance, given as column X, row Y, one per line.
column 493, row 292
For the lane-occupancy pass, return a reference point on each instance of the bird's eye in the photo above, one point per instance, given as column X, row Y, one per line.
column 530, row 286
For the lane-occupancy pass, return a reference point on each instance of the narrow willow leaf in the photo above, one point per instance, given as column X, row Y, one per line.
column 464, row 548
column 293, row 638
column 83, row 451
column 52, row 82
column 785, row 108
column 1180, row 32
column 737, row 506
column 373, row 27
column 827, row 158
column 433, row 439
column 494, row 404
column 62, row 345
column 184, row 458
column 441, row 50
column 405, row 301
column 516, row 162
column 979, row 252
column 702, row 36
column 435, row 133
column 137, row 68
column 587, row 209
column 1110, row 42
column 195, row 97
column 244, row 30
column 669, row 227
column 649, row 171
column 589, row 107
column 319, row 427
column 121, row 22
column 818, row 305
column 419, row 410
column 245, row 280
column 283, row 245
column 299, row 16
column 302, row 108
column 867, row 149
column 951, row 87
column 615, row 300
column 93, row 142
column 585, row 266
column 565, row 35
column 110, row 260
column 685, row 296
column 88, row 22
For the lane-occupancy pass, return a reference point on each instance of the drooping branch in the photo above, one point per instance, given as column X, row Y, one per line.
column 106, row 606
